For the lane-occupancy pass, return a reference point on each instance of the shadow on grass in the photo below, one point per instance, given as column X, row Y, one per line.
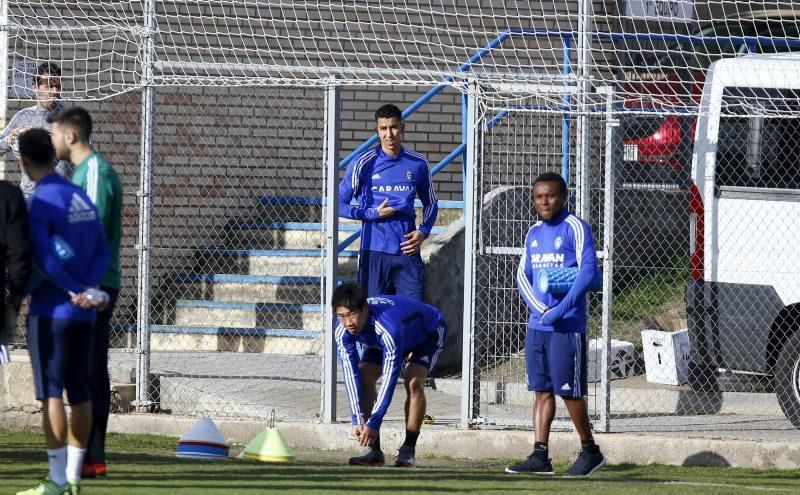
column 160, row 472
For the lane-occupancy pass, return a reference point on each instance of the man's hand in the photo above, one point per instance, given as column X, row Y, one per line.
column 385, row 211
column 91, row 298
column 80, row 300
column 357, row 429
column 549, row 317
column 412, row 243
column 12, row 136
column 367, row 436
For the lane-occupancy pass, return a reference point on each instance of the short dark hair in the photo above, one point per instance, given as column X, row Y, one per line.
column 553, row 177
column 37, row 147
column 77, row 119
column 388, row 111
column 349, row 295
column 46, row 69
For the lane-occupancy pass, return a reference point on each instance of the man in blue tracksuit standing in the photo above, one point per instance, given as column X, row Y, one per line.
column 555, row 342
column 61, row 315
column 401, row 334
column 385, row 181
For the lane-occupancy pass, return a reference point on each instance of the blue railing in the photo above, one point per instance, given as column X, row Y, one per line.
column 567, row 39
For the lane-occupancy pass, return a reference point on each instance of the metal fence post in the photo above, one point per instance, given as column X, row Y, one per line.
column 4, row 72
column 332, row 124
column 582, row 125
column 608, row 259
column 144, row 244
column 468, row 389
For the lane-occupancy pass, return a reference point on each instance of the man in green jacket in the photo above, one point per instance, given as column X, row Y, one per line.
column 71, row 134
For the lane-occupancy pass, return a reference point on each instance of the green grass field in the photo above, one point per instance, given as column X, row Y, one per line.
column 144, row 464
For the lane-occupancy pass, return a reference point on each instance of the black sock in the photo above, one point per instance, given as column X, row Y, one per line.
column 589, row 446
column 376, row 445
column 540, row 450
column 411, row 438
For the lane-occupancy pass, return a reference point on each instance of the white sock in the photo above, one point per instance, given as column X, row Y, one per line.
column 74, row 461
column 57, row 459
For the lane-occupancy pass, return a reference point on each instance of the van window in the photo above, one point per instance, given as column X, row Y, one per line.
column 759, row 139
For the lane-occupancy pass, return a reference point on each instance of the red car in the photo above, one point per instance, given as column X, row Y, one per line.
column 658, row 146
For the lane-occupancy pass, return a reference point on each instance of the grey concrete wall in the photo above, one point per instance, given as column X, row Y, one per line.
column 444, row 277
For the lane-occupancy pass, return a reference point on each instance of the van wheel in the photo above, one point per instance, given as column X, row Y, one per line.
column 786, row 382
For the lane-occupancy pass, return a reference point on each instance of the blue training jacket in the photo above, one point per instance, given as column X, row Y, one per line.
column 60, row 208
column 375, row 176
column 565, row 242
column 397, row 324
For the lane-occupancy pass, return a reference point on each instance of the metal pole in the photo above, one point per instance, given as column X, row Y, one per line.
column 565, row 118
column 464, row 138
column 332, row 123
column 4, row 72
column 468, row 388
column 608, row 259
column 582, row 124
column 143, row 402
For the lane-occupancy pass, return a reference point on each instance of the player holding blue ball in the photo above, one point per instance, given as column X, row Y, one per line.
column 555, row 342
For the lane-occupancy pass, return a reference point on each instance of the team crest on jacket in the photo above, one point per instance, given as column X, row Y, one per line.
column 557, row 242
column 409, row 175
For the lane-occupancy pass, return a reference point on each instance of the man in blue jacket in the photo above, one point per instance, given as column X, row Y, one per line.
column 400, row 334
column 385, row 181
column 555, row 342
column 61, row 314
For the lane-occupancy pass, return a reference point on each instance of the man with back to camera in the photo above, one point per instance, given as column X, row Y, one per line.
column 394, row 329
column 71, row 135
column 385, row 180
column 47, row 88
column 61, row 314
column 555, row 341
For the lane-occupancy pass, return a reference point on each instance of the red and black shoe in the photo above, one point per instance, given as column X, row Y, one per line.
column 91, row 470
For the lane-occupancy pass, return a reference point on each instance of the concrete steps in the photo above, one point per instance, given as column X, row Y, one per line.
column 248, row 315
column 295, row 235
column 277, row 262
column 308, row 209
column 248, row 288
column 287, row 235
column 232, row 339
column 260, row 290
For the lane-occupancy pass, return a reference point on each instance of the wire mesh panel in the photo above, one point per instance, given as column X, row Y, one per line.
column 718, row 350
column 516, row 148
column 702, row 289
column 115, row 136
column 237, row 266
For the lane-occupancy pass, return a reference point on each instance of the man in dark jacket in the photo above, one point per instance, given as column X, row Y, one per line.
column 15, row 259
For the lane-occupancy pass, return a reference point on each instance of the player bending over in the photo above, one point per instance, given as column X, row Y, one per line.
column 394, row 330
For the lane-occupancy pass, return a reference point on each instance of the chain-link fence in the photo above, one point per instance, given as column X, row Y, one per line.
column 702, row 293
column 236, row 322
column 116, row 137
column 699, row 311
column 520, row 142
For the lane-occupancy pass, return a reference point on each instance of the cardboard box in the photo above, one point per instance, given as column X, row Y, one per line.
column 666, row 356
column 620, row 360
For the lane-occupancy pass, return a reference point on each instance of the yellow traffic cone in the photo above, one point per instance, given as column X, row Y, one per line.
column 268, row 446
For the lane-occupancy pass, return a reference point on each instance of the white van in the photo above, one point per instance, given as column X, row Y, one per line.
column 743, row 299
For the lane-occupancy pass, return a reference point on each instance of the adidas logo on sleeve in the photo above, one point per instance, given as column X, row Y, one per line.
column 80, row 211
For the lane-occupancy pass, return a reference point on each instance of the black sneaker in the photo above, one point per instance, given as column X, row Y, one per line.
column 370, row 457
column 405, row 457
column 532, row 465
column 586, row 464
